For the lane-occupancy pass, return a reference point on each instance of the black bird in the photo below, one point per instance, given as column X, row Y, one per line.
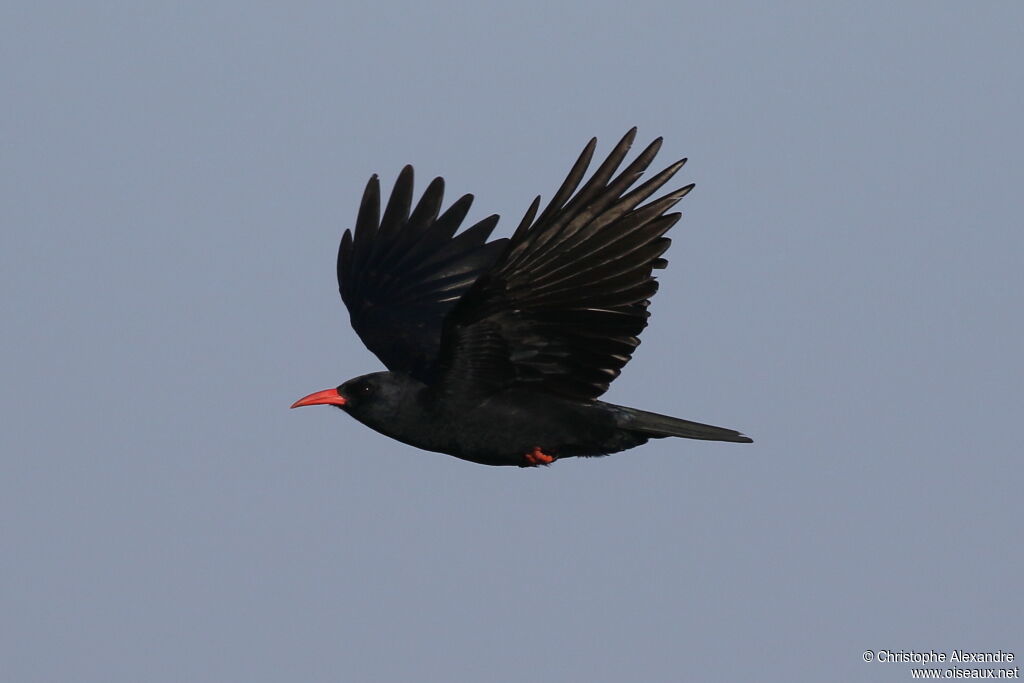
column 497, row 351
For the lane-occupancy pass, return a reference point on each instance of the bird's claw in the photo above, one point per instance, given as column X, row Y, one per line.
column 537, row 457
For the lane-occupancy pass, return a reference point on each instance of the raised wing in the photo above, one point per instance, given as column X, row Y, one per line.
column 562, row 308
column 400, row 274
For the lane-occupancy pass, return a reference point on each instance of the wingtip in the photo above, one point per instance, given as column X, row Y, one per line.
column 405, row 176
column 653, row 148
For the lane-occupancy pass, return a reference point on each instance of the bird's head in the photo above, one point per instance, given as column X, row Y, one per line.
column 366, row 396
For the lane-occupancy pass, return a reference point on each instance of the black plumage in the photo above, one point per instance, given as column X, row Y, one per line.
column 497, row 351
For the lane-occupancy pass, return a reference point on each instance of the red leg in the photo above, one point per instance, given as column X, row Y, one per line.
column 537, row 457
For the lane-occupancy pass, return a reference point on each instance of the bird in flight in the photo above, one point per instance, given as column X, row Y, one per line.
column 497, row 352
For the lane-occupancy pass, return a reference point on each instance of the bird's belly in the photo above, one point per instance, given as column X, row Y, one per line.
column 503, row 429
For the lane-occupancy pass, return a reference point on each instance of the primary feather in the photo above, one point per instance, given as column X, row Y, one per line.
column 562, row 308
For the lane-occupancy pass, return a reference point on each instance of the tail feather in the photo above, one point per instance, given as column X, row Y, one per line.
column 658, row 426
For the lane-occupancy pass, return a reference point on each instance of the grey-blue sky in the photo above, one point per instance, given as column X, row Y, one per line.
column 845, row 287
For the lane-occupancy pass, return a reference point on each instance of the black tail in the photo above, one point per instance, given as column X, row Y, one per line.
column 659, row 426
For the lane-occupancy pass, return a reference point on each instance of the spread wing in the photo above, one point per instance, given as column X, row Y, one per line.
column 401, row 273
column 562, row 308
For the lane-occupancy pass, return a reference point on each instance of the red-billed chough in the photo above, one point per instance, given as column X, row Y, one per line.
column 498, row 351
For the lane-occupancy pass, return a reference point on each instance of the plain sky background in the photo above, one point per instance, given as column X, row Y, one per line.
column 845, row 286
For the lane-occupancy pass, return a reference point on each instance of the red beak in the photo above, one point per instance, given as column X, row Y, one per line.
column 326, row 397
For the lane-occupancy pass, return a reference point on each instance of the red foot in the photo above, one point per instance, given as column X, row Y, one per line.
column 537, row 457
